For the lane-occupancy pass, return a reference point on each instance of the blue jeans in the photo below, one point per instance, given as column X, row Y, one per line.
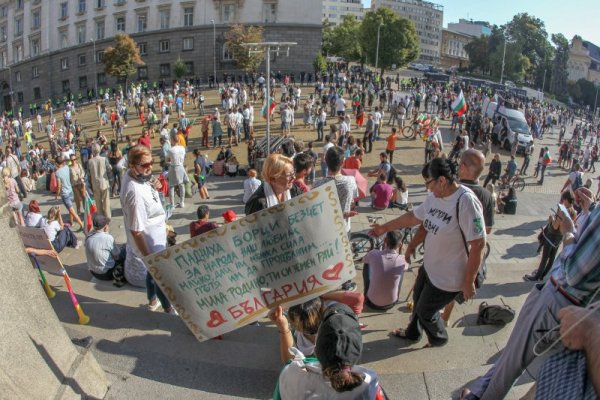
column 152, row 291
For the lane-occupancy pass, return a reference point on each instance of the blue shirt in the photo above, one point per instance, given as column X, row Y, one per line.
column 511, row 166
column 64, row 176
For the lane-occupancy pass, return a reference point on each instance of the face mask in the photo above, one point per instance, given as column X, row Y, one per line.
column 142, row 178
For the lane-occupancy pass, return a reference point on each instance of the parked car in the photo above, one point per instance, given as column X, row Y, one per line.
column 516, row 122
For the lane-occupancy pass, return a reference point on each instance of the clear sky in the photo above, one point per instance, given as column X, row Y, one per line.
column 560, row 16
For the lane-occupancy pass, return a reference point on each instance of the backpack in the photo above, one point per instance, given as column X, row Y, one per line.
column 578, row 181
column 495, row 314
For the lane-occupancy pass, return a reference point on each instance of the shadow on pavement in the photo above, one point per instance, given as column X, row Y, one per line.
column 521, row 251
column 523, row 230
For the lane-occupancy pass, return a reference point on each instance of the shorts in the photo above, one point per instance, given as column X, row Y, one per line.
column 68, row 200
column 285, row 125
column 17, row 206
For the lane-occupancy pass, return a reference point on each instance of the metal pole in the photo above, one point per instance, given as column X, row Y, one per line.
column 377, row 50
column 544, row 81
column 95, row 72
column 214, row 52
column 267, row 100
column 503, row 56
column 595, row 103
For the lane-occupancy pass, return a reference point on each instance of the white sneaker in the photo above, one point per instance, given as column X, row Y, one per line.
column 182, row 205
column 173, row 312
column 153, row 306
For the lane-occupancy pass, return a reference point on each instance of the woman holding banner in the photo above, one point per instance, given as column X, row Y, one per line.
column 278, row 184
column 144, row 217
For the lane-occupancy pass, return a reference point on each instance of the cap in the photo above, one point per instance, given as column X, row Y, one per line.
column 339, row 341
column 34, row 206
column 229, row 216
column 99, row 221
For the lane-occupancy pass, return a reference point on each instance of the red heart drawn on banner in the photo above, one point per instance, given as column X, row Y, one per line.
column 333, row 273
column 216, row 319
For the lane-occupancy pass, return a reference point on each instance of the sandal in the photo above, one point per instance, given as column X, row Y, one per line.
column 399, row 333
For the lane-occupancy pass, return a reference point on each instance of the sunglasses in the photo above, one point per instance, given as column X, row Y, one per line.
column 146, row 165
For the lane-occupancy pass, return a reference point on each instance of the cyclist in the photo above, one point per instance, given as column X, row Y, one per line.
column 510, row 171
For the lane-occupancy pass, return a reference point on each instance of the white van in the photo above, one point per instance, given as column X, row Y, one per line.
column 516, row 122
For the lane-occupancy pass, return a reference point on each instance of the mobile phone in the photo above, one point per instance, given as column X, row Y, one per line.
column 564, row 211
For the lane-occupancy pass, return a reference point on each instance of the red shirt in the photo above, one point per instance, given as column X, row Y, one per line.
column 145, row 140
column 200, row 227
column 352, row 163
column 382, row 194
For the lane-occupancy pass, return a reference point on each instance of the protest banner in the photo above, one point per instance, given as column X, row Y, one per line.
column 37, row 239
column 233, row 275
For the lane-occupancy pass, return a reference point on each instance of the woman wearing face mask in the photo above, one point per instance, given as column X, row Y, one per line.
column 453, row 249
column 144, row 217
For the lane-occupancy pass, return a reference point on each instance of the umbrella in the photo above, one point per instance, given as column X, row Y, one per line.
column 361, row 181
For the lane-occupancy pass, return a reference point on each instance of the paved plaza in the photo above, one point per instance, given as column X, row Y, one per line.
column 153, row 355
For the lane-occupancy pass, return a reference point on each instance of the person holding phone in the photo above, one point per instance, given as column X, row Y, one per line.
column 550, row 238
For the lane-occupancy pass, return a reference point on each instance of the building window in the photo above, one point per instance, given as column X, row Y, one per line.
column 20, row 4
column 165, row 70
column 270, row 12
column 64, row 63
column 82, row 82
column 35, row 72
column 37, row 93
column 228, row 13
column 64, row 10
column 19, row 26
column 18, row 52
column 142, row 22
column 120, row 22
column 188, row 16
column 35, row 47
column 18, row 76
column 64, row 39
column 3, row 59
column 226, row 54
column 36, row 20
column 99, row 30
column 142, row 72
column 82, row 6
column 120, row 2
column 101, row 78
column 99, row 4
column 190, row 68
column 66, row 86
column 163, row 46
column 100, row 56
column 188, row 44
column 81, row 34
column 20, row 97
column 4, row 11
column 165, row 19
column 3, row 31
column 143, row 49
column 81, row 61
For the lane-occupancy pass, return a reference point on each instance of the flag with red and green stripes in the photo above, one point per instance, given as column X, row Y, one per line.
column 459, row 105
column 272, row 105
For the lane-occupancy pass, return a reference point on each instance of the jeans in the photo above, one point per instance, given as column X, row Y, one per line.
column 319, row 131
column 525, row 165
column 324, row 169
column 116, row 181
column 153, row 291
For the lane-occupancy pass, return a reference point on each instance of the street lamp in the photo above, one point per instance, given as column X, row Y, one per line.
column 503, row 57
column 214, row 52
column 95, row 72
column 377, row 50
column 256, row 48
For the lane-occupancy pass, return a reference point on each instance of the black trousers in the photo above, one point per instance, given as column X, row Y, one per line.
column 548, row 256
column 428, row 301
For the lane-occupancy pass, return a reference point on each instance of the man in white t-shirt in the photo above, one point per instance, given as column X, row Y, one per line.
column 377, row 117
column 575, row 179
column 340, row 105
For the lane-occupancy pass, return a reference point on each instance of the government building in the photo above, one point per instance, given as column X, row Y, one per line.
column 52, row 48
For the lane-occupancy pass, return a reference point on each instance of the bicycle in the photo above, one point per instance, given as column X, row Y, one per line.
column 515, row 182
column 361, row 243
column 412, row 131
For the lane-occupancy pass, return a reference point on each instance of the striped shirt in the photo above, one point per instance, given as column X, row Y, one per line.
column 577, row 269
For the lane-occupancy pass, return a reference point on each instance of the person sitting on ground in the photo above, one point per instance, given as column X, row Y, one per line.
column 105, row 259
column 232, row 166
column 354, row 161
column 383, row 273
column 400, row 195
column 384, row 167
column 202, row 225
column 303, row 164
column 381, row 193
column 250, row 185
column 509, row 199
column 333, row 374
column 34, row 217
column 58, row 234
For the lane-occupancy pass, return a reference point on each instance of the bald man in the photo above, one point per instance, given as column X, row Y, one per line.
column 471, row 166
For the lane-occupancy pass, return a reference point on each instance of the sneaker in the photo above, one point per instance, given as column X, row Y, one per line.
column 154, row 305
column 529, row 278
column 182, row 205
column 349, row 286
column 173, row 311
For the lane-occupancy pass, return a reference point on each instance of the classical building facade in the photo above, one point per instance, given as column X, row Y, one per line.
column 470, row 27
column 428, row 18
column 334, row 11
column 584, row 61
column 50, row 48
column 453, row 52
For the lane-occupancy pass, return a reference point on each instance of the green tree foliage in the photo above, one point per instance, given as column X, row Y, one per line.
column 398, row 43
column 327, row 37
column 342, row 40
column 320, row 63
column 236, row 36
column 558, row 83
column 479, row 54
column 122, row 59
column 179, row 69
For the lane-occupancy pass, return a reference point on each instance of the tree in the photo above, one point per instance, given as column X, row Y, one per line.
column 342, row 40
column 121, row 61
column 179, row 69
column 398, row 42
column 558, row 83
column 320, row 63
column 479, row 57
column 236, row 36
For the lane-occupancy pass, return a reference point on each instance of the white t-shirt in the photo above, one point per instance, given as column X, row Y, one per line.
column 176, row 155
column 250, row 186
column 340, row 104
column 326, row 147
column 445, row 257
column 51, row 228
column 143, row 212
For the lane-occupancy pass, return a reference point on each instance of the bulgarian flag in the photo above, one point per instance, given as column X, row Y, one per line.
column 90, row 208
column 272, row 105
column 459, row 105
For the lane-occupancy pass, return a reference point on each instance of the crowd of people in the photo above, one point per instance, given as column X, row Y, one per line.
column 320, row 340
